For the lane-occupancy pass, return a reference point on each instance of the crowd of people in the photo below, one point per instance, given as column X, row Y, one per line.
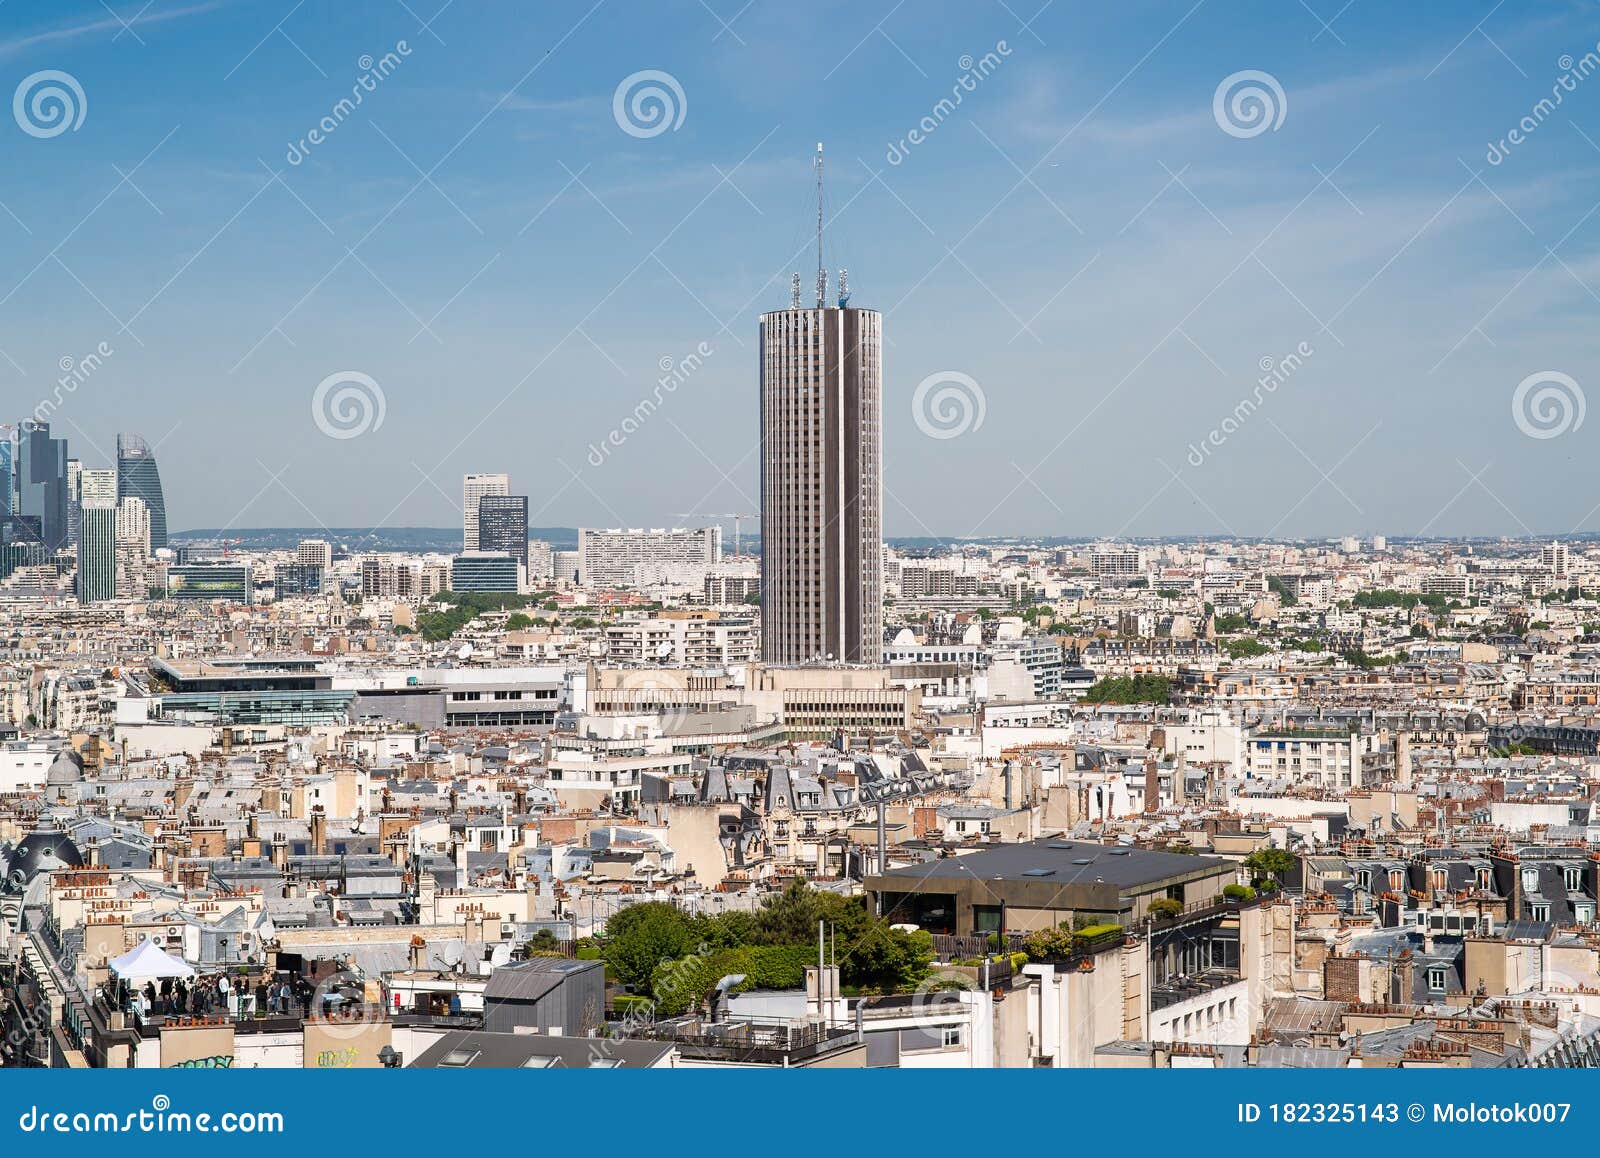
column 211, row 994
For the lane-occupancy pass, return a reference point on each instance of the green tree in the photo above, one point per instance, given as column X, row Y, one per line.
column 1139, row 689
column 1245, row 648
column 1267, row 861
column 544, row 943
column 640, row 937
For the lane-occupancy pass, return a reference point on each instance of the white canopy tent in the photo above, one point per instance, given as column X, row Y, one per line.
column 145, row 962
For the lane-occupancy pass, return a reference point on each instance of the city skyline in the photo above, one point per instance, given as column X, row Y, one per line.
column 1083, row 251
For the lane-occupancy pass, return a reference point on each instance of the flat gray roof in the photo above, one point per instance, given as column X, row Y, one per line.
column 1063, row 860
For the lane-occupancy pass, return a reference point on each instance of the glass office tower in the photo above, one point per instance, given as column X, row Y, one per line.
column 39, row 464
column 503, row 525
column 138, row 477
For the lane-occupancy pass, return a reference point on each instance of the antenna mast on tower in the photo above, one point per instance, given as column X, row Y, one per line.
column 822, row 275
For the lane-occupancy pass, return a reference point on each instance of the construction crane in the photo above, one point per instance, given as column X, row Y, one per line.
column 738, row 525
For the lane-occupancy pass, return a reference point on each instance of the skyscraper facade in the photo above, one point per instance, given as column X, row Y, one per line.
column 821, row 485
column 40, row 465
column 97, row 536
column 74, row 498
column 7, row 482
column 503, row 526
column 138, row 477
column 473, row 488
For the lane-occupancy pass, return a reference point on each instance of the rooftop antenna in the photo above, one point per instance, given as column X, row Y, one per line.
column 794, row 292
column 822, row 275
column 844, row 288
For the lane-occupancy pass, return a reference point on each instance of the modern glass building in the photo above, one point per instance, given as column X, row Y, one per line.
column 7, row 483
column 20, row 545
column 39, row 464
column 138, row 476
column 97, row 552
column 200, row 582
column 253, row 690
column 503, row 525
column 295, row 579
column 492, row 572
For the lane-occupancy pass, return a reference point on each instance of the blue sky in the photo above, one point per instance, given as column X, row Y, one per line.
column 1080, row 238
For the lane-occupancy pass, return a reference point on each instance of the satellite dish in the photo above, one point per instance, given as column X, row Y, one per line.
column 597, row 648
column 664, row 651
column 465, row 652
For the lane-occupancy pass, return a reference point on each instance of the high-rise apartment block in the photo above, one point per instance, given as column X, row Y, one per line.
column 314, row 553
column 637, row 557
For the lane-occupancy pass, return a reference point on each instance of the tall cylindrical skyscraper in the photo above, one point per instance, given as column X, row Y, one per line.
column 821, row 485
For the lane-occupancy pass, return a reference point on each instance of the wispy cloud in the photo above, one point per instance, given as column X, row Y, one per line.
column 18, row 44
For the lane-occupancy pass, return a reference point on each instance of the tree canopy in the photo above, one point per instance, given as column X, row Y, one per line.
column 678, row 958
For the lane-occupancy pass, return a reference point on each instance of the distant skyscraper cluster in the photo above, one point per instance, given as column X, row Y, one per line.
column 494, row 536
column 112, row 517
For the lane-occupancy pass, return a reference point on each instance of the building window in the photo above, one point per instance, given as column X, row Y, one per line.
column 1436, row 978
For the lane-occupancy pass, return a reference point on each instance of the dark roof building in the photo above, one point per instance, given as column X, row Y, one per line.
column 548, row 995
column 1043, row 884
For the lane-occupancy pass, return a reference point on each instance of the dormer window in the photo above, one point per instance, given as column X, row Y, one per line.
column 1437, row 978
